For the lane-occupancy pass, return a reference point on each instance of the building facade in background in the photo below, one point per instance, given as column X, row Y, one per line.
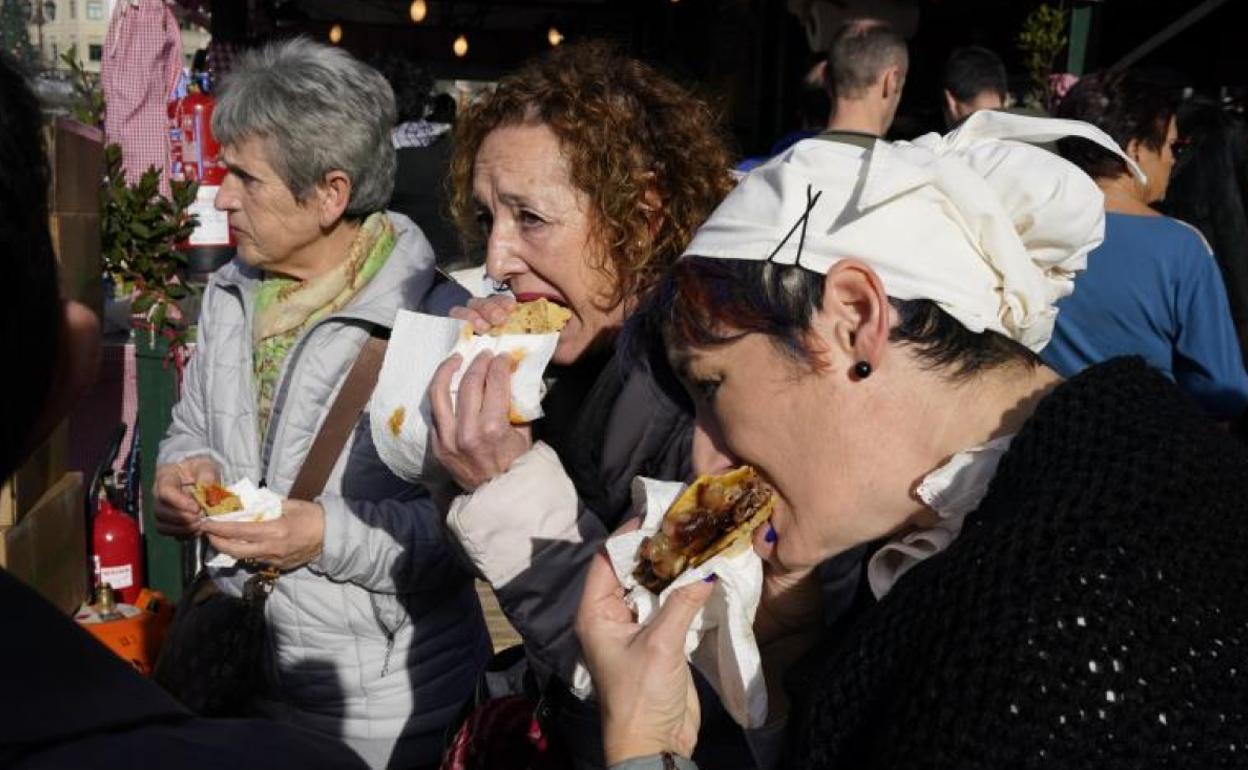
column 83, row 24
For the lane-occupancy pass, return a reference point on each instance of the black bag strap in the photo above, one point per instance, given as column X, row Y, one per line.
column 341, row 420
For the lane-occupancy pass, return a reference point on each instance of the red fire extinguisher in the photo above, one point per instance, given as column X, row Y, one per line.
column 195, row 156
column 117, row 547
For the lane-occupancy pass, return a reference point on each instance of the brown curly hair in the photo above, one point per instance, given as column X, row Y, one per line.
column 626, row 129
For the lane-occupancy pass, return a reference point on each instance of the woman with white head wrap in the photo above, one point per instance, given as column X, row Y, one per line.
column 861, row 327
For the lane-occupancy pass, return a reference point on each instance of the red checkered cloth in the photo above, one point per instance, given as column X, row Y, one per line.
column 142, row 62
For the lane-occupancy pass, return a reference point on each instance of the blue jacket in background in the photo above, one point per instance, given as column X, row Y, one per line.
column 1153, row 289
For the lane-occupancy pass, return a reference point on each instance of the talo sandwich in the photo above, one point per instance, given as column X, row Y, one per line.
column 216, row 499
column 713, row 514
column 538, row 317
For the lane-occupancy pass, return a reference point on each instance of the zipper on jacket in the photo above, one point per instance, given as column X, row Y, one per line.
column 385, row 663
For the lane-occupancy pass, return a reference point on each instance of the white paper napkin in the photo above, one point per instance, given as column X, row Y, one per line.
column 720, row 642
column 259, row 504
column 400, row 415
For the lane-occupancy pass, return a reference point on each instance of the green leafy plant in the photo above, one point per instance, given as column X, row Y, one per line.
column 139, row 230
column 1042, row 38
column 88, row 98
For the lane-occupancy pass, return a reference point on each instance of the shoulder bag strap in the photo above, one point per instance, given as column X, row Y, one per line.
column 341, row 420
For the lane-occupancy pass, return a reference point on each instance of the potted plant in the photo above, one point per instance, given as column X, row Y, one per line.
column 140, row 229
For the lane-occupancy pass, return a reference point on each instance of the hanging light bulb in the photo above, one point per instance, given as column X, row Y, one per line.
column 554, row 36
column 460, row 46
column 418, row 10
column 335, row 34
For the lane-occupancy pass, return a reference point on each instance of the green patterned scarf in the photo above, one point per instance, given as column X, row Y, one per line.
column 286, row 307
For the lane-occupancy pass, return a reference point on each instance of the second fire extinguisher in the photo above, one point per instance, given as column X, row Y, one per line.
column 195, row 156
column 116, row 541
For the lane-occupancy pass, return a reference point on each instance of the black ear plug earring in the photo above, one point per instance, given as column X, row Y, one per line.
column 862, row 369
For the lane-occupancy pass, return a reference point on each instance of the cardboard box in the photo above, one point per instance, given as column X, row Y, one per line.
column 76, row 241
column 76, row 153
column 47, row 549
column 45, row 466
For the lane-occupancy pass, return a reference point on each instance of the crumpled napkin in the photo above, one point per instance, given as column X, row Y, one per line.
column 259, row 504
column 400, row 414
column 720, row 642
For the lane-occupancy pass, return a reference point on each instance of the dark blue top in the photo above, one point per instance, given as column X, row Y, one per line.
column 1153, row 289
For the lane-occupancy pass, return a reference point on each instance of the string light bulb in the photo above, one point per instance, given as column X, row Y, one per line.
column 554, row 36
column 460, row 46
column 335, row 34
column 418, row 11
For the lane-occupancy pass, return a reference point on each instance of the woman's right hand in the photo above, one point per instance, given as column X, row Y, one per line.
column 649, row 703
column 177, row 513
column 484, row 313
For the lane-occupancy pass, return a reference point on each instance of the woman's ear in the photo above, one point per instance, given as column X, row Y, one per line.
column 856, row 316
column 333, row 194
column 1133, row 149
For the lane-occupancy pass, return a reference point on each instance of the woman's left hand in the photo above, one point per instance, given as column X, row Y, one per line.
column 474, row 438
column 649, row 704
column 287, row 542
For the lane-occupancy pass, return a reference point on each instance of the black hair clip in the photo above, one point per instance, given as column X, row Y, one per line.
column 801, row 221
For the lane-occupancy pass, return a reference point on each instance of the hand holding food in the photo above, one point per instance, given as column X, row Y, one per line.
column 177, row 513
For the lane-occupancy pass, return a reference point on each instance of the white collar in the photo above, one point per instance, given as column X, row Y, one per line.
column 952, row 491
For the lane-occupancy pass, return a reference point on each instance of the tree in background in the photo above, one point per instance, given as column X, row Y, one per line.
column 14, row 36
column 1041, row 40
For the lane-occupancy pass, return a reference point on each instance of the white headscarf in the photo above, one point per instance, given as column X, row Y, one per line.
column 987, row 226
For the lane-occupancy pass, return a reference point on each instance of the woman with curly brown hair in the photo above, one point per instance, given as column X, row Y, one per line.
column 585, row 173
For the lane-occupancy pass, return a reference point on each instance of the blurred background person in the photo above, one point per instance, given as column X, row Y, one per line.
column 422, row 141
column 1209, row 189
column 866, row 70
column 974, row 80
column 1152, row 288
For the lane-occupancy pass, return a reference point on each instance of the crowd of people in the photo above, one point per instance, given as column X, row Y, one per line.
column 996, row 392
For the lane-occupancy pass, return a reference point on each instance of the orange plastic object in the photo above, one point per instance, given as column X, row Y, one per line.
column 137, row 639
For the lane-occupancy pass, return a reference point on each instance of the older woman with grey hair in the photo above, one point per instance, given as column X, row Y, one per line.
column 374, row 634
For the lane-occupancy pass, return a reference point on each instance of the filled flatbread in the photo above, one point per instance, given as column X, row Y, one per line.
column 712, row 515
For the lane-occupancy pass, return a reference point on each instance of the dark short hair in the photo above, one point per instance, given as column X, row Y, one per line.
column 974, row 70
column 860, row 52
column 705, row 302
column 1123, row 105
column 30, row 317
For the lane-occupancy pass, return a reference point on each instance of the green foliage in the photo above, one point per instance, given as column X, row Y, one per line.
column 139, row 228
column 1041, row 40
column 14, row 36
column 88, row 98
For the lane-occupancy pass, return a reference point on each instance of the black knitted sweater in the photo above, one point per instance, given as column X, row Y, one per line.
column 1093, row 613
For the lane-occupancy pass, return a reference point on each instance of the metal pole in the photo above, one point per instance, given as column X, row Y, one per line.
column 1077, row 49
